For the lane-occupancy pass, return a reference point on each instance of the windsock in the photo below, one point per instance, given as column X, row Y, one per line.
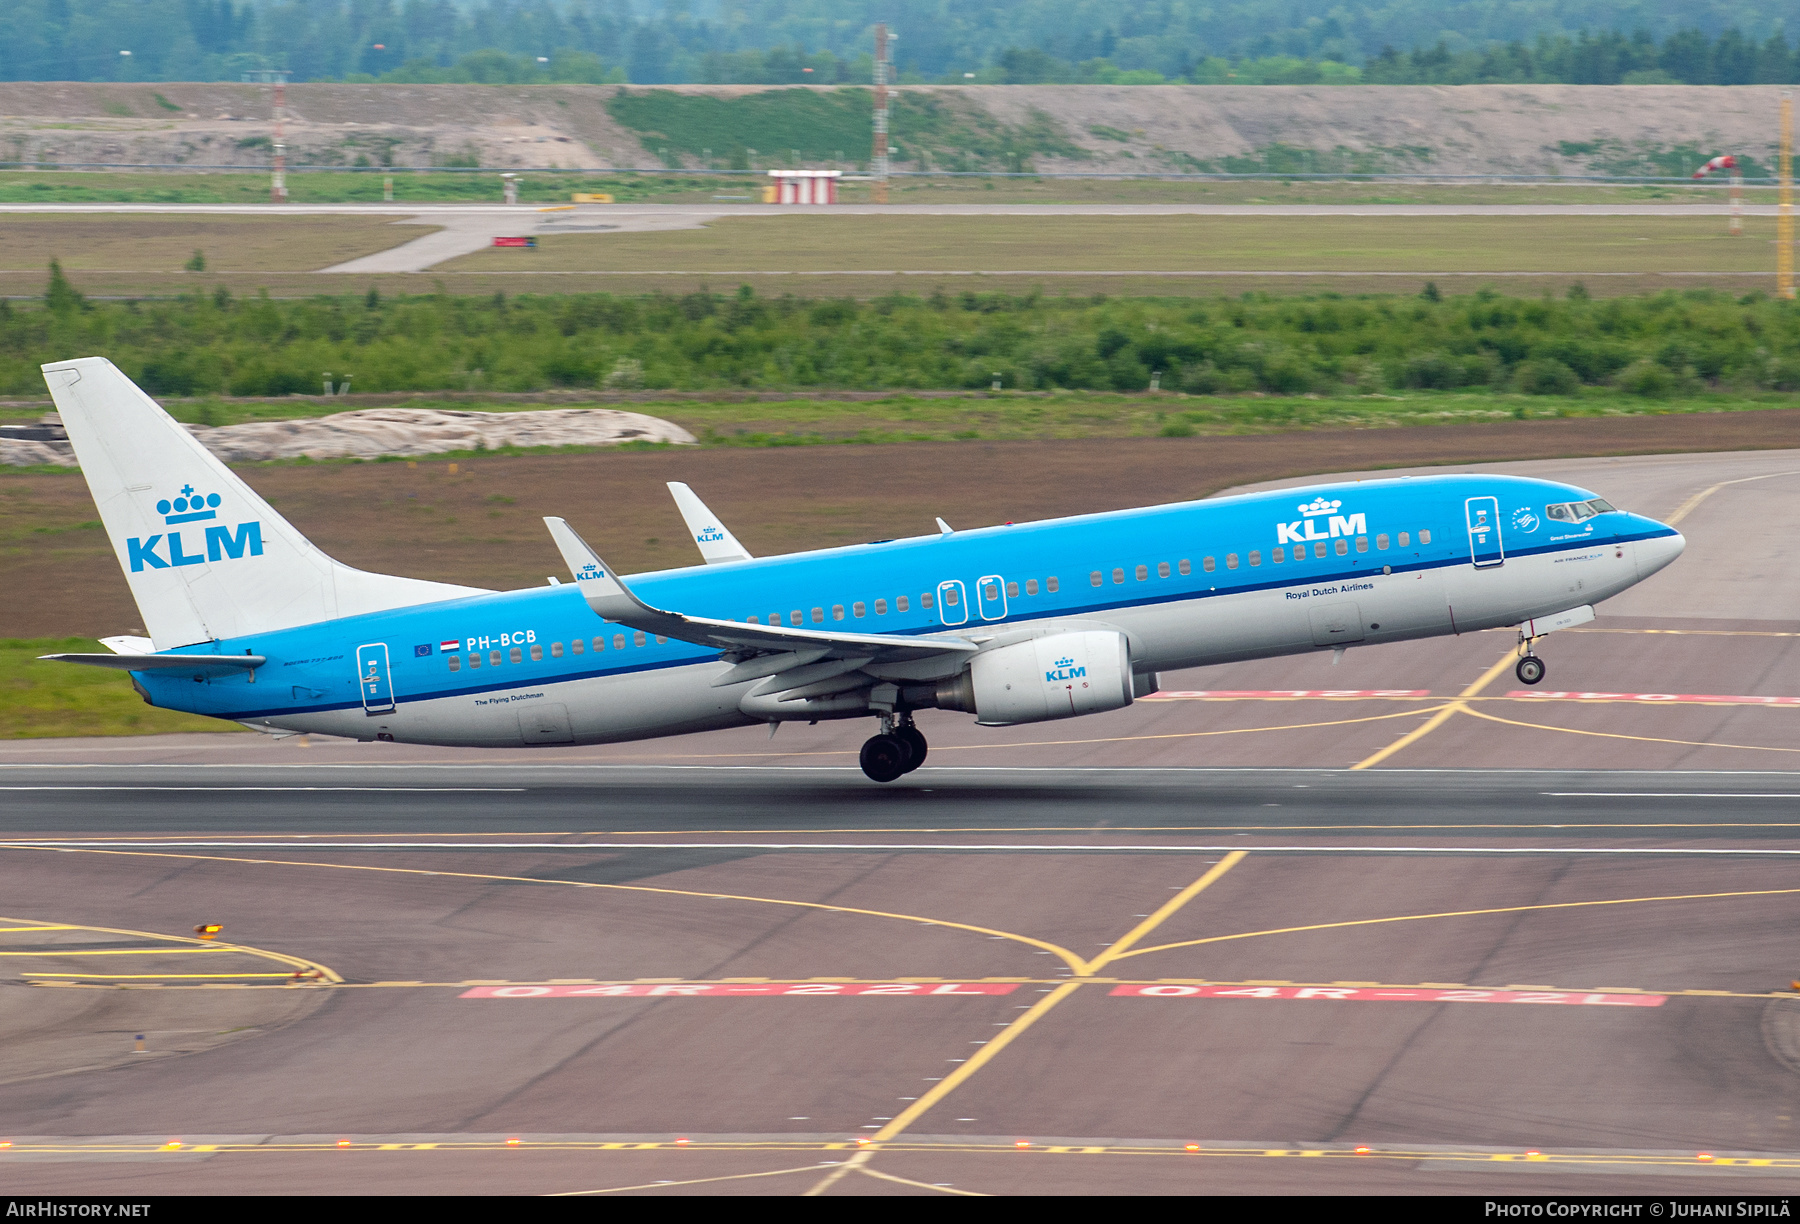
column 1727, row 162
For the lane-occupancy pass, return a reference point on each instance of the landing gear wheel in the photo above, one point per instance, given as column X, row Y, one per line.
column 915, row 740
column 885, row 757
column 1530, row 669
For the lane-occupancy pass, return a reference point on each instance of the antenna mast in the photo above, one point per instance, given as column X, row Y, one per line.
column 1784, row 215
column 878, row 162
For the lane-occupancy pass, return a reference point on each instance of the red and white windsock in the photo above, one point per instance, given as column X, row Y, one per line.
column 1727, row 162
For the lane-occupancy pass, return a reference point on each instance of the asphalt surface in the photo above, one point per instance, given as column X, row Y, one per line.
column 1401, row 934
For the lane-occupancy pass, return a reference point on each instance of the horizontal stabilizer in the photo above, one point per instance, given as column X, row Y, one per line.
column 199, row 664
column 612, row 600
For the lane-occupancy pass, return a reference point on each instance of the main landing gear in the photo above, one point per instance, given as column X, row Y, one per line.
column 1529, row 669
column 898, row 749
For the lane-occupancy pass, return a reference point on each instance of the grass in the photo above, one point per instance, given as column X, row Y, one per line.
column 1414, row 245
column 97, row 242
column 40, row 699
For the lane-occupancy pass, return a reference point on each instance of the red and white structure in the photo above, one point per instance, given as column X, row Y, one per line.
column 805, row 186
column 1728, row 162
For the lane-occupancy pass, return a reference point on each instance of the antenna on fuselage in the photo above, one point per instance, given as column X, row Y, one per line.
column 944, row 527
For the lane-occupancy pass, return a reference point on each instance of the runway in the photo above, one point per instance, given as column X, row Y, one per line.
column 1415, row 932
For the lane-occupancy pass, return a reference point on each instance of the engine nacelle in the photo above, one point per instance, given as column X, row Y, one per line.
column 1058, row 676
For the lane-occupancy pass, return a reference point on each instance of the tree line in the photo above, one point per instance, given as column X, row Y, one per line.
column 828, row 41
column 1667, row 345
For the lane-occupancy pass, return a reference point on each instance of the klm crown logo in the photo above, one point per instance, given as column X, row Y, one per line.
column 1319, row 506
column 191, row 506
column 1064, row 669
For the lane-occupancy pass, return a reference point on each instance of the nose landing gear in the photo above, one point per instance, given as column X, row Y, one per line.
column 898, row 749
column 1529, row 669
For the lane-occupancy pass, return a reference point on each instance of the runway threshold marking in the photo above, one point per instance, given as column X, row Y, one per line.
column 1532, row 695
column 1358, row 994
column 1442, row 715
column 1085, row 969
column 816, row 990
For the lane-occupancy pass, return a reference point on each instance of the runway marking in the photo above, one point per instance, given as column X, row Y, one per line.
column 321, row 973
column 809, row 990
column 1286, row 694
column 1693, row 503
column 1083, row 969
column 1442, row 715
column 924, row 847
column 1071, row 958
column 1039, row 1147
column 1388, row 995
column 1650, row 698
column 1474, row 913
column 1643, row 739
column 690, row 1181
column 1667, row 795
column 381, row 790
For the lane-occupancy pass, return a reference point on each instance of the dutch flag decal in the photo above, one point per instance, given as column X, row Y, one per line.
column 449, row 645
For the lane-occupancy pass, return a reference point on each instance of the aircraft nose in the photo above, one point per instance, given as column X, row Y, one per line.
column 1658, row 551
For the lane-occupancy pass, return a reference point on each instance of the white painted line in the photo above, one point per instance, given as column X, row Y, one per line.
column 1669, row 795
column 202, row 790
column 889, row 847
column 811, row 990
column 1392, row 995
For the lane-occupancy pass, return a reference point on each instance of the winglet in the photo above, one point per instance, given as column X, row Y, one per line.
column 604, row 593
column 717, row 544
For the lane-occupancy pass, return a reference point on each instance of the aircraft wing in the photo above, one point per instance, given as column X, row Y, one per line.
column 717, row 544
column 612, row 600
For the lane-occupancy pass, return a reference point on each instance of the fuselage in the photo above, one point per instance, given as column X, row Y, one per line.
column 1189, row 584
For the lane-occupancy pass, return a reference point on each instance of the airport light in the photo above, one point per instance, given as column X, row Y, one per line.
column 206, row 930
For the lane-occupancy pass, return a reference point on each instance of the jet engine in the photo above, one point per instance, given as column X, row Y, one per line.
column 1058, row 676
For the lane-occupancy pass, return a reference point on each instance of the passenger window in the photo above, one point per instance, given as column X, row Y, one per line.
column 575, row 646
column 858, row 608
column 1319, row 549
column 1185, row 567
column 494, row 657
column 537, row 653
column 1230, row 560
column 1278, row 555
column 1405, row 539
column 881, row 607
column 990, row 591
column 752, row 619
column 797, row 617
column 661, row 640
column 600, row 644
column 1342, row 548
column 455, row 662
column 619, row 640
column 925, row 602
column 1162, row 569
column 818, row 616
column 1143, row 573
column 474, row 660
column 1050, row 585
column 556, row 650
column 518, row 656
column 1209, row 565
column 837, row 612
column 1425, row 536
column 1255, row 558
column 951, row 596
column 899, row 604
column 1381, row 542
column 1012, row 590
column 1031, row 586
column 637, row 639
column 1095, row 578
column 1118, row 576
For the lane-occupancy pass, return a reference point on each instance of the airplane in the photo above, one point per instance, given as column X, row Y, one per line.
column 247, row 620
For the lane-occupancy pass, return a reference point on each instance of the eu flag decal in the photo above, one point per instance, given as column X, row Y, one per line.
column 419, row 652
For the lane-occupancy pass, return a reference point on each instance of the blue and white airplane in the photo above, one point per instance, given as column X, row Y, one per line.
column 247, row 620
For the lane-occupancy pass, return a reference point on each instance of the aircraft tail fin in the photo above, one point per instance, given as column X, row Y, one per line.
column 717, row 544
column 205, row 556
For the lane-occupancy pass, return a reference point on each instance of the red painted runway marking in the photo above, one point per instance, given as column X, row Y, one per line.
column 714, row 990
column 1239, row 694
column 1365, row 994
column 1671, row 698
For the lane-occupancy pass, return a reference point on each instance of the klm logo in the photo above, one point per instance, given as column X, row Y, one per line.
column 589, row 572
column 220, row 543
column 1065, row 670
column 1307, row 528
column 710, row 535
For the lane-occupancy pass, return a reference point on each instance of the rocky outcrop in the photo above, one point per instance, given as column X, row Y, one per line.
column 376, row 433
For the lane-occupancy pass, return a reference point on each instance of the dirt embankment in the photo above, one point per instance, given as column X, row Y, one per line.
column 1467, row 129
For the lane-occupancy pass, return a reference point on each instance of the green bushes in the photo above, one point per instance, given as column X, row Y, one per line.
column 203, row 344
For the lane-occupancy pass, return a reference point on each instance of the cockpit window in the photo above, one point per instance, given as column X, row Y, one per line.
column 1574, row 512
